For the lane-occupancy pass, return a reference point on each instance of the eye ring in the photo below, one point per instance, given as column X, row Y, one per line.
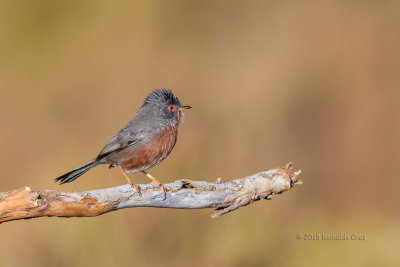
column 171, row 107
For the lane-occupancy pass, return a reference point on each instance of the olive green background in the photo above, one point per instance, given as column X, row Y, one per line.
column 314, row 82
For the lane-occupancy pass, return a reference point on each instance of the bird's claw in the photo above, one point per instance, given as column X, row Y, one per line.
column 162, row 188
column 137, row 188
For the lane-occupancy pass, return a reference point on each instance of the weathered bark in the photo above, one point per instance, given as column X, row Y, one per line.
column 226, row 196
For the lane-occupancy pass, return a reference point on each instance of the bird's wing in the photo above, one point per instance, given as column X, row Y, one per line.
column 118, row 142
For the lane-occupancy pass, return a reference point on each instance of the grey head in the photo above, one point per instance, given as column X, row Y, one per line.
column 161, row 109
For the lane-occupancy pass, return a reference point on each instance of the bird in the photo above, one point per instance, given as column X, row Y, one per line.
column 143, row 142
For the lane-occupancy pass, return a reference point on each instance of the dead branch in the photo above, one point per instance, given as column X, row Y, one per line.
column 226, row 196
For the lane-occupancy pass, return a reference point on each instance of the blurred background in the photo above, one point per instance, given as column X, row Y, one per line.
column 314, row 82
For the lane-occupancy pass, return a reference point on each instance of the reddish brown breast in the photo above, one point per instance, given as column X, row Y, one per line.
column 151, row 153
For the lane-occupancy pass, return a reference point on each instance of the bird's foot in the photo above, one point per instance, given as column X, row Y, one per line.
column 155, row 181
column 130, row 182
column 162, row 188
column 137, row 188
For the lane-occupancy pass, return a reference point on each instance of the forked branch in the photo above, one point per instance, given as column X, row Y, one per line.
column 224, row 197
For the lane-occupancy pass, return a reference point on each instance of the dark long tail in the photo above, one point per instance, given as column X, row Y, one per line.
column 75, row 173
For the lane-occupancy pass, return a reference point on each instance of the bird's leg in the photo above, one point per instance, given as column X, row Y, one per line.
column 155, row 181
column 129, row 181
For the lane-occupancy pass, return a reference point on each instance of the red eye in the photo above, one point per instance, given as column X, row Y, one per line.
column 171, row 107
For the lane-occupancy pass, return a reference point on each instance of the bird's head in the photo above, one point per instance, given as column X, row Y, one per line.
column 162, row 106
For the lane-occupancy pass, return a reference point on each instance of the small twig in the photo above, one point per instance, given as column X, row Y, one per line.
column 225, row 197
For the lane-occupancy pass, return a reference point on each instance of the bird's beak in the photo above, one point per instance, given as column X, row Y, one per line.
column 185, row 107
